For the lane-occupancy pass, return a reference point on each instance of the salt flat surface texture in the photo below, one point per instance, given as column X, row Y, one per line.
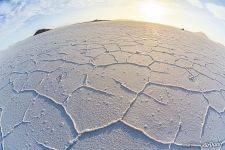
column 113, row 85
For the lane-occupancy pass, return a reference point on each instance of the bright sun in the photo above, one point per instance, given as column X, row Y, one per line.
column 152, row 11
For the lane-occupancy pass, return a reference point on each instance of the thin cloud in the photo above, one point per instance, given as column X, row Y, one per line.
column 196, row 3
column 217, row 10
column 14, row 13
column 4, row 8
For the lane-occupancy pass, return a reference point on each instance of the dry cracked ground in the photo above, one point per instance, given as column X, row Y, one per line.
column 113, row 85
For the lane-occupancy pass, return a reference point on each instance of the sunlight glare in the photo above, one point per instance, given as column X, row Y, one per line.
column 152, row 11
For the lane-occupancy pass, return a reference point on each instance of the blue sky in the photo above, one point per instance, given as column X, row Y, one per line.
column 19, row 19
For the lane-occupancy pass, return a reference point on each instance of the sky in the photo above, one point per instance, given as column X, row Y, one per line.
column 20, row 19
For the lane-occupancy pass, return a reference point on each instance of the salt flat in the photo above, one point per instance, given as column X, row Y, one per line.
column 113, row 85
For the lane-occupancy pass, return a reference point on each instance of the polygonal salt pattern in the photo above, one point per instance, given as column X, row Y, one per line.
column 50, row 123
column 113, row 85
column 173, row 114
column 117, row 136
column 15, row 112
column 92, row 108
